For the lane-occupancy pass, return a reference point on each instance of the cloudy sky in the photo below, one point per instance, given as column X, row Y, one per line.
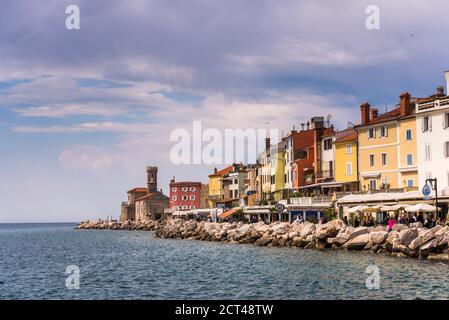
column 82, row 112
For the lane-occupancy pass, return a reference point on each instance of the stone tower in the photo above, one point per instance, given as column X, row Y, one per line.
column 151, row 179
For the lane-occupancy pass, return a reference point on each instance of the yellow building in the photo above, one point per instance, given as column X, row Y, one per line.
column 216, row 192
column 346, row 169
column 387, row 147
column 277, row 167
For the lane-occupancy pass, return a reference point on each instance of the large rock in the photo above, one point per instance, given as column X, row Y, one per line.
column 416, row 243
column 358, row 232
column 329, row 229
column 357, row 243
column 378, row 237
column 406, row 236
column 399, row 227
column 442, row 231
column 427, row 235
column 307, row 229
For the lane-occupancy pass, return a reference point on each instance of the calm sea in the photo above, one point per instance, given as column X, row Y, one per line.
column 135, row 265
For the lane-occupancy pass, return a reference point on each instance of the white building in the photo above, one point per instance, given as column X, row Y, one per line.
column 432, row 121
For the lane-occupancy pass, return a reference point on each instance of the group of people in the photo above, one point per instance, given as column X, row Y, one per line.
column 428, row 221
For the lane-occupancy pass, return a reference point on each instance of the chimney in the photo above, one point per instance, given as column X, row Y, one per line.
column 308, row 125
column 215, row 170
column 440, row 91
column 364, row 112
column 446, row 74
column 404, row 104
column 267, row 143
column 172, row 180
column 374, row 113
column 302, row 126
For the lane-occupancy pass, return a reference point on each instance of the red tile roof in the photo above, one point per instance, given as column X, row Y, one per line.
column 184, row 183
column 346, row 135
column 138, row 190
column 222, row 172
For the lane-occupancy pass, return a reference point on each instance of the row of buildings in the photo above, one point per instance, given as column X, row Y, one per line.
column 394, row 151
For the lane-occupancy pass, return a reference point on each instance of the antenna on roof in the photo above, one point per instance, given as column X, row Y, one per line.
column 329, row 117
column 386, row 107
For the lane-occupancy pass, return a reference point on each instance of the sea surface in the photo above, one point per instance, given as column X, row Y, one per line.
column 136, row 265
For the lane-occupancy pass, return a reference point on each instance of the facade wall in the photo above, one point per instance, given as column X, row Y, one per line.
column 185, row 196
column 408, row 147
column 344, row 155
column 377, row 146
column 438, row 164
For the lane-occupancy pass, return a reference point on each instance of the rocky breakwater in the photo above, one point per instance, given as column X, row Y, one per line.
column 148, row 225
column 414, row 241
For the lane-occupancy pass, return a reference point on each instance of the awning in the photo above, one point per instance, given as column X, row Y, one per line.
column 228, row 213
column 422, row 207
column 395, row 207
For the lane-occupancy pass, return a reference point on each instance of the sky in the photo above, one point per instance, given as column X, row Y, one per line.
column 82, row 112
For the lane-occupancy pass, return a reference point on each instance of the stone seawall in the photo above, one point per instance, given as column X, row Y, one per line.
column 413, row 241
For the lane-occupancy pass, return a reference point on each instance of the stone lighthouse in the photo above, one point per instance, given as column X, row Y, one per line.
column 151, row 179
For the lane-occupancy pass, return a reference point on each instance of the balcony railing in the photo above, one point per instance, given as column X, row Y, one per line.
column 327, row 174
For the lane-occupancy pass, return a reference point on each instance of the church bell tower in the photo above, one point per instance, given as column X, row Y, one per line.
column 151, row 179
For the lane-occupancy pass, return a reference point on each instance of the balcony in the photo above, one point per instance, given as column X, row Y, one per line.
column 327, row 174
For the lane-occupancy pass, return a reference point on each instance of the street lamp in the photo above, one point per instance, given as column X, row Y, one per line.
column 434, row 185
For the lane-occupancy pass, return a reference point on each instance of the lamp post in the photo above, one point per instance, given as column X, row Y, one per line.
column 434, row 185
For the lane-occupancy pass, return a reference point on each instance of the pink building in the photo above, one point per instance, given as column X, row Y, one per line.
column 185, row 195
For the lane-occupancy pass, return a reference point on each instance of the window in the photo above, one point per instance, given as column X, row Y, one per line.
column 327, row 144
column 348, row 149
column 384, row 131
column 192, row 197
column 426, row 124
column 184, row 207
column 192, row 188
column 174, row 198
column 410, row 183
column 408, row 134
column 192, row 207
column 427, row 152
column 384, row 159
column 372, row 184
column 185, row 189
column 384, row 182
column 409, row 159
column 371, row 133
column 236, row 181
column 184, row 197
column 348, row 168
column 236, row 193
column 371, row 160
column 446, row 149
column 174, row 189
column 446, row 120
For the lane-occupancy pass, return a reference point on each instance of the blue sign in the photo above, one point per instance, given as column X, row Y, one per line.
column 426, row 191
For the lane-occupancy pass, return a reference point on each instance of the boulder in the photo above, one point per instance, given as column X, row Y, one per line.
column 406, row 236
column 358, row 232
column 358, row 242
column 329, row 229
column 307, row 229
column 339, row 240
column 378, row 237
column 416, row 243
column 399, row 227
column 442, row 231
column 427, row 235
column 416, row 225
